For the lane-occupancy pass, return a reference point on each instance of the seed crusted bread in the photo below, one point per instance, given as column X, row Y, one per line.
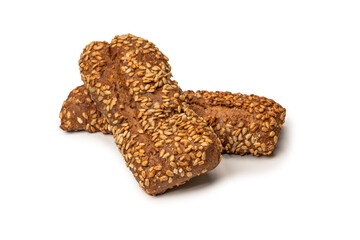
column 245, row 124
column 79, row 112
column 163, row 142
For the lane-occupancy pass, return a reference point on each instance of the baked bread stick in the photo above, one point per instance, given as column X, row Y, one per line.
column 79, row 113
column 163, row 141
column 244, row 123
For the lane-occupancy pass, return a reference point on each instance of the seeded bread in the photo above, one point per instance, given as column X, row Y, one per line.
column 79, row 112
column 163, row 142
column 245, row 124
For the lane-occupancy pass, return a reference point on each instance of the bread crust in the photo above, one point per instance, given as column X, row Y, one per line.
column 245, row 124
column 163, row 141
column 79, row 113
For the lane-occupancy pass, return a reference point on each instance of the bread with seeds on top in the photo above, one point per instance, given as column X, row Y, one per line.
column 163, row 142
column 79, row 112
column 245, row 124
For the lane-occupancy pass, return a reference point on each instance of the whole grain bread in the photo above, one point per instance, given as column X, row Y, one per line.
column 163, row 141
column 79, row 112
column 245, row 124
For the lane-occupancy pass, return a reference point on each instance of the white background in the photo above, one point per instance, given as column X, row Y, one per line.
column 303, row 54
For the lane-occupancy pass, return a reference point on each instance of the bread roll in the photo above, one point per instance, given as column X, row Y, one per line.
column 163, row 142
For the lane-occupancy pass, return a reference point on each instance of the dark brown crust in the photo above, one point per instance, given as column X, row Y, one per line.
column 79, row 113
column 232, row 116
column 164, row 143
column 244, row 123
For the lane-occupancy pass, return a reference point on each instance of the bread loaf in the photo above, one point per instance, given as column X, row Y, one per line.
column 163, row 142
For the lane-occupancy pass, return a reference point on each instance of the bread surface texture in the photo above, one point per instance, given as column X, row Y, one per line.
column 244, row 123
